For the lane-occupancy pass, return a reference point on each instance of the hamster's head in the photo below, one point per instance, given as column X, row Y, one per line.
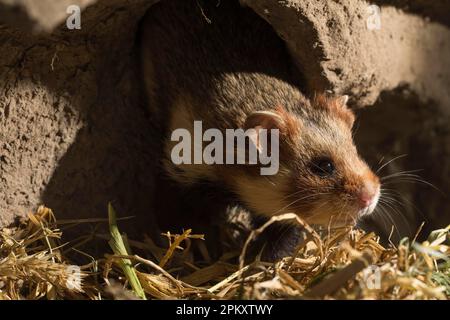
column 321, row 177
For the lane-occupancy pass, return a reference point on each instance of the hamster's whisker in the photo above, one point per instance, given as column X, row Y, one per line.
column 378, row 215
column 388, row 216
column 341, row 211
column 404, row 199
column 387, row 197
column 392, row 203
column 354, row 219
column 270, row 181
column 322, row 205
column 408, row 177
column 400, row 173
column 317, row 213
column 303, row 191
column 297, row 200
column 390, row 161
column 397, row 212
column 417, row 180
column 295, row 194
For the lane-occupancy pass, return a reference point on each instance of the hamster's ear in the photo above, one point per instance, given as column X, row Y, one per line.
column 289, row 126
column 343, row 111
column 342, row 101
column 264, row 120
column 337, row 106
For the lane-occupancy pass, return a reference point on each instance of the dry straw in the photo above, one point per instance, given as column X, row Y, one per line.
column 336, row 264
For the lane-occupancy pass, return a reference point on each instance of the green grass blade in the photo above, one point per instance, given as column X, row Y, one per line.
column 119, row 248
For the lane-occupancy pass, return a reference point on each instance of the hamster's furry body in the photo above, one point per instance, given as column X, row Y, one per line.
column 222, row 64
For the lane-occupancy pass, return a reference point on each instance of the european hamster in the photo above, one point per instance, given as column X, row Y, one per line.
column 223, row 65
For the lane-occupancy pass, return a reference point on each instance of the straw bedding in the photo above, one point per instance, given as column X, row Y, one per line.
column 330, row 264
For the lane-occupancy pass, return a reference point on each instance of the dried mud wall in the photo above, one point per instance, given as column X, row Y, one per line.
column 75, row 134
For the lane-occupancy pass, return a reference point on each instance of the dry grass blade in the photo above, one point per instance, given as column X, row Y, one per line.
column 175, row 245
column 31, row 266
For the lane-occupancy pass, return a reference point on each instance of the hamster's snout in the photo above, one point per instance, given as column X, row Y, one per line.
column 367, row 194
column 368, row 197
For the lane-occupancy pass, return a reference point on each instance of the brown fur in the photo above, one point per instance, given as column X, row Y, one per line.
column 223, row 72
column 335, row 106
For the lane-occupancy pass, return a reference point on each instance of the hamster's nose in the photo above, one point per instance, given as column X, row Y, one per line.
column 365, row 199
column 368, row 194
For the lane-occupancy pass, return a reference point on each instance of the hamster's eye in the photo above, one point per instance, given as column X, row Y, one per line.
column 323, row 167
